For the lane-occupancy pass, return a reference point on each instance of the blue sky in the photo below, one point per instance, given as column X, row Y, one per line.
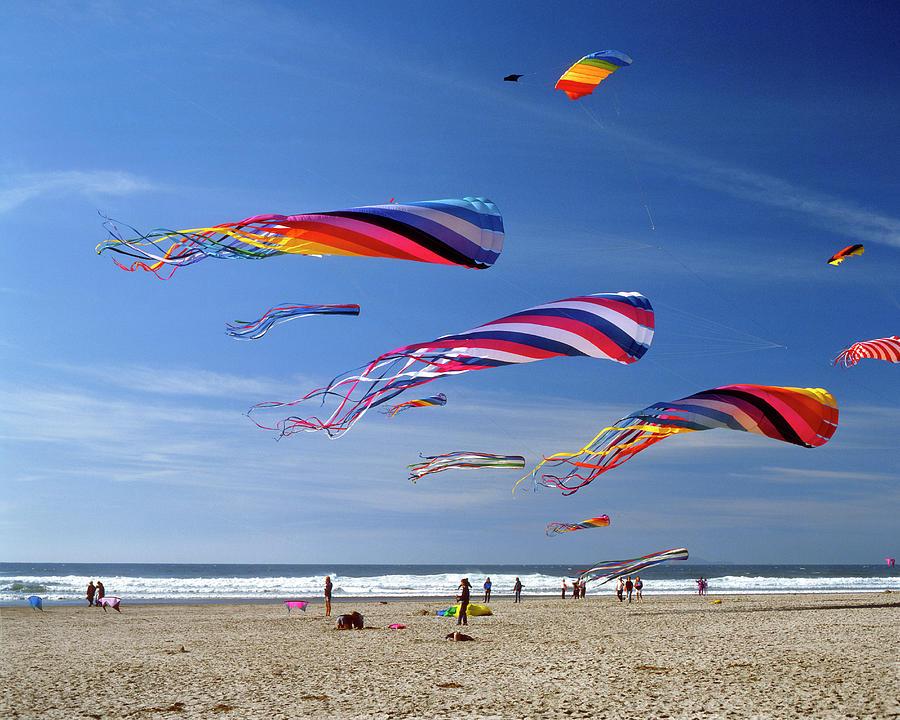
column 760, row 139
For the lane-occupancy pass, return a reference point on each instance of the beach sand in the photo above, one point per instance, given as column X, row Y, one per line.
column 776, row 656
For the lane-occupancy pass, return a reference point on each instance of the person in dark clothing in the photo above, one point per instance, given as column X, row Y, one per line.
column 90, row 592
column 463, row 597
column 327, row 595
column 101, row 592
column 487, row 590
column 517, row 588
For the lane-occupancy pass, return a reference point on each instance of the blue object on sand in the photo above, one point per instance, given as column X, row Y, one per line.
column 36, row 602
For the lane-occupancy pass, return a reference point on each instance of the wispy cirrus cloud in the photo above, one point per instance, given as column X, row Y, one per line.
column 15, row 190
column 803, row 475
column 821, row 209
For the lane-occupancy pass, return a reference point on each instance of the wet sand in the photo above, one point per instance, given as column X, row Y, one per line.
column 761, row 656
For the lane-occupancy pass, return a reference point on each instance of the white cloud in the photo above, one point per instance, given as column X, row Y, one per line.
column 16, row 190
column 823, row 210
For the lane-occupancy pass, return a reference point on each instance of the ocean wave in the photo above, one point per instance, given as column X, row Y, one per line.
column 71, row 588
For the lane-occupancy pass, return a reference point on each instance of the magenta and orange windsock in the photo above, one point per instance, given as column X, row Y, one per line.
column 614, row 326
column 464, row 231
column 559, row 528
column 886, row 348
column 803, row 416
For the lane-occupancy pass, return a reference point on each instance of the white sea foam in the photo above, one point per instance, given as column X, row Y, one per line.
column 71, row 588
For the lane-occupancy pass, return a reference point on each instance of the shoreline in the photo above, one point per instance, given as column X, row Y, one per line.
column 280, row 599
column 750, row 656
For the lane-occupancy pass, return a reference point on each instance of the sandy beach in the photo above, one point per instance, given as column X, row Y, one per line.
column 776, row 656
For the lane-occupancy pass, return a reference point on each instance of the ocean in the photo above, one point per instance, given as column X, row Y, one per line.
column 65, row 583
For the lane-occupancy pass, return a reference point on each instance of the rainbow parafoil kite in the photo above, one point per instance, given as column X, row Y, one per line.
column 559, row 528
column 581, row 79
column 463, row 461
column 467, row 232
column 614, row 326
column 886, row 348
column 607, row 570
column 840, row 256
column 439, row 399
column 803, row 416
column 255, row 329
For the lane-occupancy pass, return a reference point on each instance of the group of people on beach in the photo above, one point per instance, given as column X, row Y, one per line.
column 578, row 589
column 96, row 596
column 95, row 593
column 517, row 590
column 628, row 587
column 701, row 586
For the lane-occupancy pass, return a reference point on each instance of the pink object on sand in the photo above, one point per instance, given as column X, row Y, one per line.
column 397, row 627
column 296, row 604
column 112, row 602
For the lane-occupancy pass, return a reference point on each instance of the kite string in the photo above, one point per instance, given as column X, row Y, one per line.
column 628, row 159
column 634, row 173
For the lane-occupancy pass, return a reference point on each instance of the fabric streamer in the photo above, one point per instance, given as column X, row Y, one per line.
column 463, row 461
column 607, row 570
column 255, row 329
column 439, row 399
column 614, row 326
column 559, row 528
column 802, row 416
column 466, row 232
column 886, row 348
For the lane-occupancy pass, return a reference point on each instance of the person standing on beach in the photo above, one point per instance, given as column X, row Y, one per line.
column 517, row 589
column 629, row 587
column 327, row 595
column 487, row 590
column 90, row 592
column 564, row 588
column 638, row 586
column 101, row 592
column 462, row 617
column 583, row 588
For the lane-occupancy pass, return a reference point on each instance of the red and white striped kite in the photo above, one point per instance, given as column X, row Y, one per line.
column 887, row 348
